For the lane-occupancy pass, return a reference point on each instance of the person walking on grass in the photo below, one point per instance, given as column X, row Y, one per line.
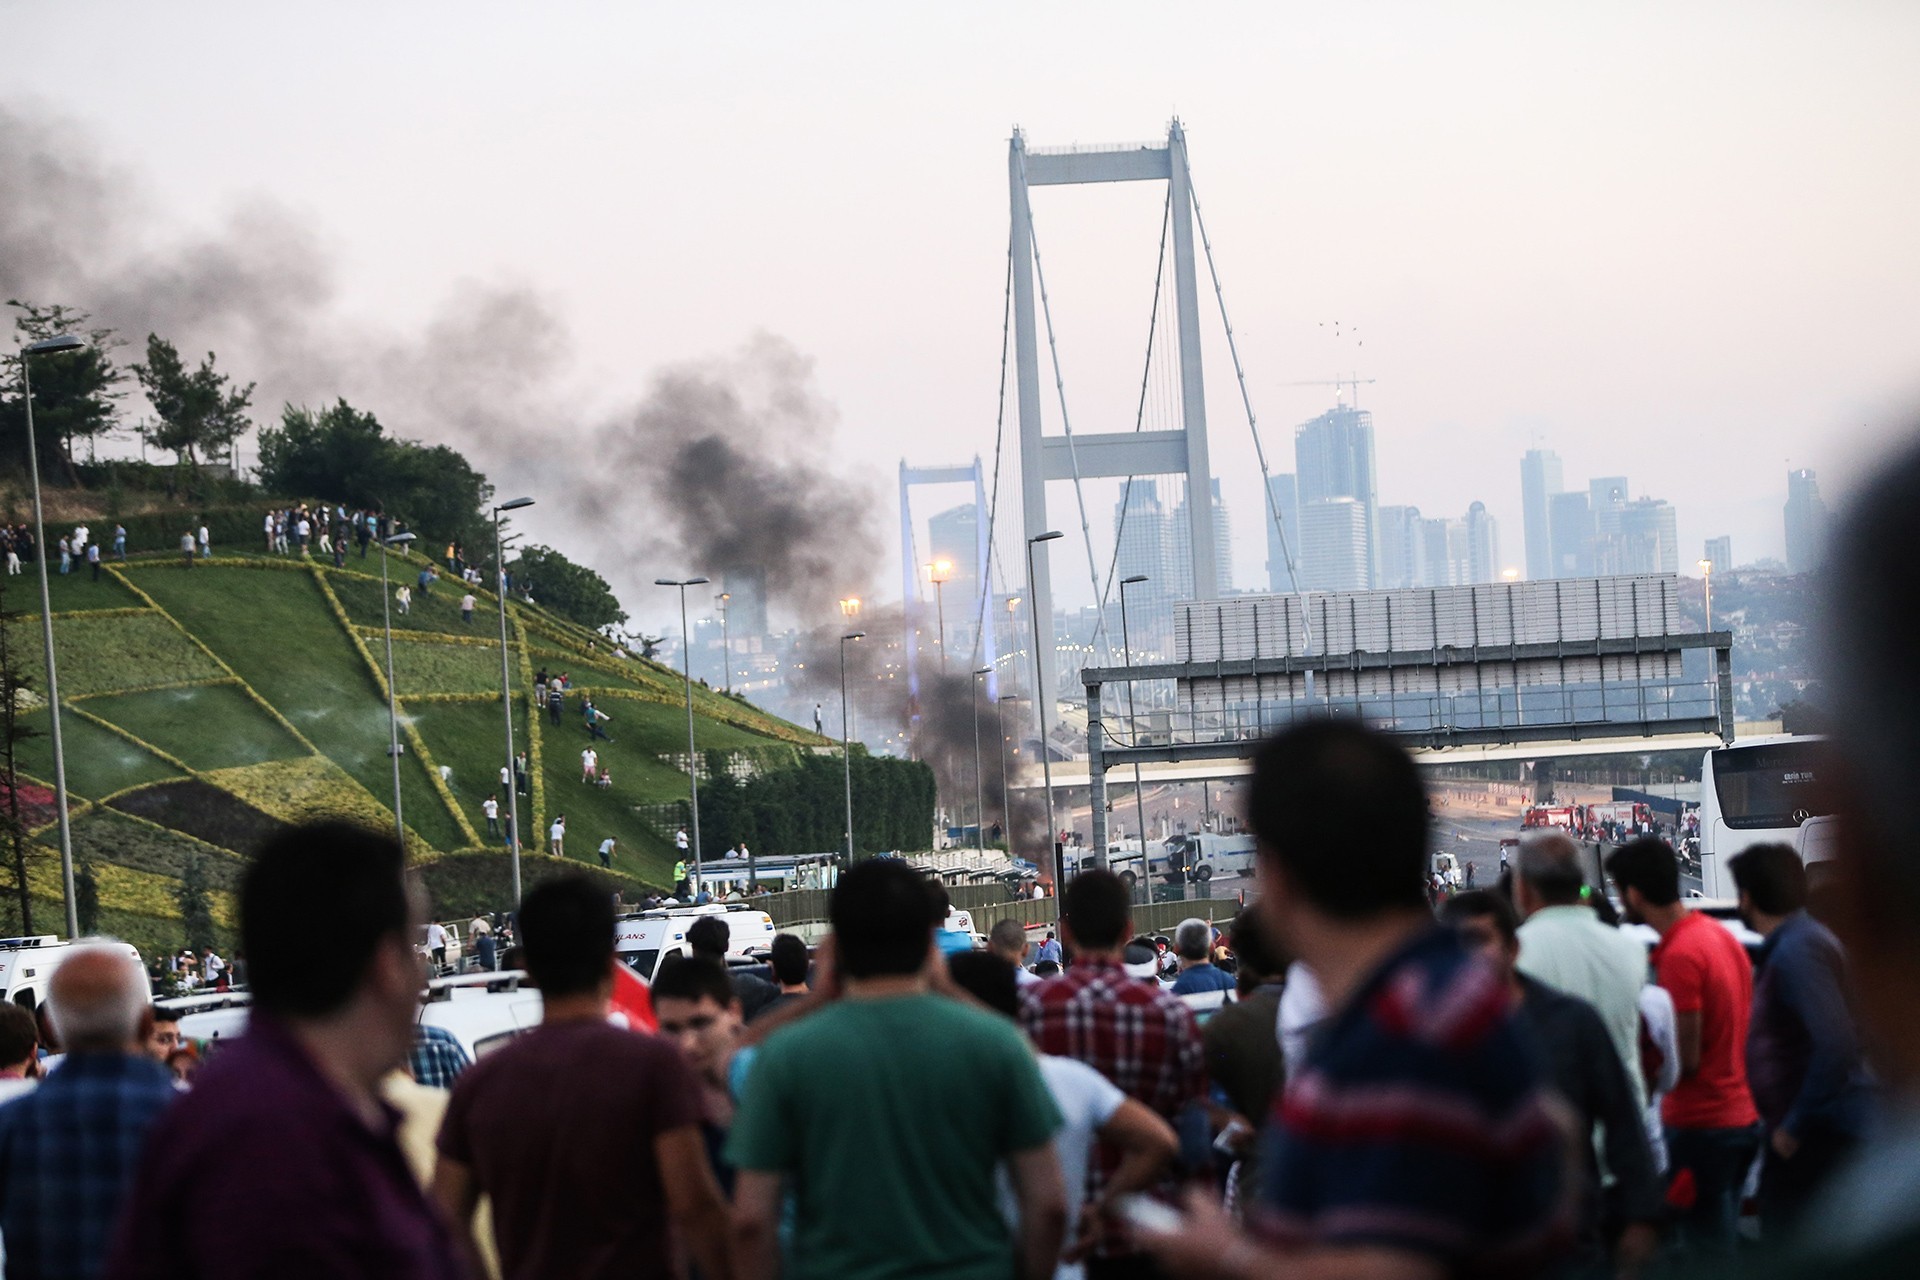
column 589, row 760
column 606, row 852
column 93, row 559
column 403, row 597
column 491, row 807
column 466, row 608
column 206, row 543
column 187, row 547
column 119, row 542
column 557, row 835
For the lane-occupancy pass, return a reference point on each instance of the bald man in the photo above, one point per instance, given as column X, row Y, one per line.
column 69, row 1148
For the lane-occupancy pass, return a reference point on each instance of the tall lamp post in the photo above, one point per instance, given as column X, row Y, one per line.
column 393, row 705
column 47, row 347
column 686, row 670
column 1133, row 727
column 726, row 642
column 846, row 736
column 938, row 573
column 1706, row 570
column 506, row 690
column 1040, row 709
column 979, row 784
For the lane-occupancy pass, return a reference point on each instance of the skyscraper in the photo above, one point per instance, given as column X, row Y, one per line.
column 1444, row 548
column 1334, row 531
column 1483, row 544
column 1540, row 479
column 953, row 536
column 1180, row 554
column 1402, row 552
column 1720, row 553
column 1286, row 501
column 1333, row 459
column 1570, row 521
column 1806, row 521
column 1140, row 527
column 1647, row 541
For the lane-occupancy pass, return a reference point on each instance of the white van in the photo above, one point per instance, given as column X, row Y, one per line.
column 641, row 940
column 1207, row 855
column 27, row 965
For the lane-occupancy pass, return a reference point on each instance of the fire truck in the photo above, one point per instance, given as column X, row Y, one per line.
column 1564, row 816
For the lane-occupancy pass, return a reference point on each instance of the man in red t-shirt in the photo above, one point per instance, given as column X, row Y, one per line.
column 1712, row 1128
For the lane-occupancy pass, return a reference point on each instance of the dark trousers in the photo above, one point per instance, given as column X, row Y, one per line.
column 493, row 826
column 1718, row 1160
column 520, row 781
column 1787, row 1186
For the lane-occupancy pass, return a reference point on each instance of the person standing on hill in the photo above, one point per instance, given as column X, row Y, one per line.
column 120, row 542
column 491, row 807
column 403, row 596
column 187, row 547
column 520, row 774
column 206, row 543
column 556, row 836
column 606, row 852
column 93, row 559
column 555, row 698
column 466, row 608
column 589, row 760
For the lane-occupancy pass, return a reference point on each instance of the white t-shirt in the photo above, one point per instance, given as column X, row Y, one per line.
column 1303, row 1007
column 215, row 967
column 466, row 603
column 606, row 846
column 556, row 831
column 436, row 936
column 1086, row 1100
column 490, row 807
column 680, row 840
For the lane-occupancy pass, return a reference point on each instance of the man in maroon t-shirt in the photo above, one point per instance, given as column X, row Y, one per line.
column 586, row 1136
column 1712, row 1128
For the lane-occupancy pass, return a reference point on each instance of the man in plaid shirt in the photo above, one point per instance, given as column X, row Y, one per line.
column 1128, row 1030
column 69, row 1149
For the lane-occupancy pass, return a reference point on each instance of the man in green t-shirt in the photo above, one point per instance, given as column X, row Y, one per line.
column 887, row 1112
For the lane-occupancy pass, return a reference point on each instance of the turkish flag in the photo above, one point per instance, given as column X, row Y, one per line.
column 632, row 1001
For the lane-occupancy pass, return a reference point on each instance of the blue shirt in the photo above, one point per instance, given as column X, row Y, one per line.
column 1202, row 977
column 1049, row 950
column 1421, row 1122
column 1804, row 1061
column 437, row 1058
column 68, row 1151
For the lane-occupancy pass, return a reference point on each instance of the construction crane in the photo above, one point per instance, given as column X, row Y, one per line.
column 1353, row 383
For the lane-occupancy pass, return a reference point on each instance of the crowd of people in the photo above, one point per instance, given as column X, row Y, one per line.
column 1512, row 1085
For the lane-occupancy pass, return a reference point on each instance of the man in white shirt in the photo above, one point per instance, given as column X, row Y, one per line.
column 606, row 852
column 437, row 944
column 556, row 834
column 1564, row 945
column 206, row 543
column 589, row 761
column 491, row 807
column 213, row 967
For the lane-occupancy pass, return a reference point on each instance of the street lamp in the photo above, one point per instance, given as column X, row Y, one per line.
column 506, row 691
column 1706, row 569
column 1133, row 726
column 938, row 573
column 393, row 705
column 979, row 786
column 686, row 670
column 1040, row 709
column 726, row 643
column 846, row 737
column 47, row 347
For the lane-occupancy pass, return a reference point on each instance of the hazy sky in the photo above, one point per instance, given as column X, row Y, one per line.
column 1674, row 241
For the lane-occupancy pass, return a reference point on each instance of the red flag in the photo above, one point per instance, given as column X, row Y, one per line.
column 632, row 999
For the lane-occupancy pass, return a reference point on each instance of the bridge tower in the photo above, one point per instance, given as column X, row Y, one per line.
column 1083, row 456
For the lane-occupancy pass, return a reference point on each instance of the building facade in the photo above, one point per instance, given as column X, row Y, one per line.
column 1540, row 480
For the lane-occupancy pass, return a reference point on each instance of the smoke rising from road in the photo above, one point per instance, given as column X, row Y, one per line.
column 715, row 470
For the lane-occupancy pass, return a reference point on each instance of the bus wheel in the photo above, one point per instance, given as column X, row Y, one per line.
column 1203, row 873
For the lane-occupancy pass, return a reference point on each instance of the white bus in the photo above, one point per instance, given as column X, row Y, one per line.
column 1761, row 792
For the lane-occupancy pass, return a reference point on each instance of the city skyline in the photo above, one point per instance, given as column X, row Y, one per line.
column 1508, row 279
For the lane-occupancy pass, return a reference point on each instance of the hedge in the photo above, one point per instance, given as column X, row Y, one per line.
column 464, row 884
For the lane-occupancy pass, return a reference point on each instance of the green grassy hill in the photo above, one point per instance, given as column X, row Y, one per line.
column 207, row 706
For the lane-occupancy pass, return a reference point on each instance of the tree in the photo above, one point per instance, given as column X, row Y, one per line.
column 86, row 897
column 199, row 410
column 14, row 691
column 571, row 590
column 73, row 393
column 196, row 913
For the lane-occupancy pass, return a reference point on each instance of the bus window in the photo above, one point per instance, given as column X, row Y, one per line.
column 1769, row 786
column 24, row 998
